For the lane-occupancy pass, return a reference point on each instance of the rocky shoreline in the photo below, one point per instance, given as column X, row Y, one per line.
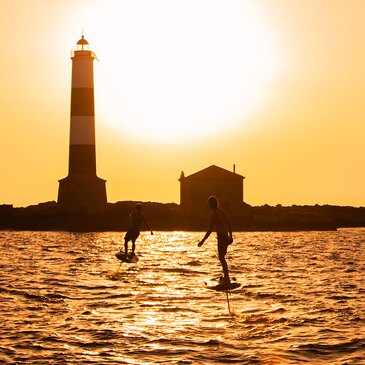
column 171, row 217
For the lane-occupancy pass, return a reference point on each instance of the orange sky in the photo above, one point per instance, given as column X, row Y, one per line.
column 276, row 87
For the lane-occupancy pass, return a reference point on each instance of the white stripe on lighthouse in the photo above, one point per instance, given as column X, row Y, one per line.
column 82, row 130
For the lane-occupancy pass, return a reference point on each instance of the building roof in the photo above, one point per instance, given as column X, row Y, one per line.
column 214, row 171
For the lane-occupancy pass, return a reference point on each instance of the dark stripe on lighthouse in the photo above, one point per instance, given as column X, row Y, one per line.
column 82, row 159
column 82, row 102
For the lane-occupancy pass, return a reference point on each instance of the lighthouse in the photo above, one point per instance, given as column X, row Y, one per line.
column 82, row 190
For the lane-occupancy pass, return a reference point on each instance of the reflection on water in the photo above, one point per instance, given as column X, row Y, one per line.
column 65, row 299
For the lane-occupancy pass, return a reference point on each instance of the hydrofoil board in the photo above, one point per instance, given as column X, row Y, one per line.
column 129, row 258
column 223, row 287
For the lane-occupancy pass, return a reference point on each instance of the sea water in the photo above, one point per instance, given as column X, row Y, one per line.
column 66, row 299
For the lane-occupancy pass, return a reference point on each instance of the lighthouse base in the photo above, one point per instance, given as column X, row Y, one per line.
column 82, row 193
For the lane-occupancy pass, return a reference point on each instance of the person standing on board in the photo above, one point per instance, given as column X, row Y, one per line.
column 137, row 218
column 219, row 222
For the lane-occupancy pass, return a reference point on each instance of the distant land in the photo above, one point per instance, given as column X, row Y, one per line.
column 171, row 217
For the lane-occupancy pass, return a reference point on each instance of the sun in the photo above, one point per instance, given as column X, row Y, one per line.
column 175, row 71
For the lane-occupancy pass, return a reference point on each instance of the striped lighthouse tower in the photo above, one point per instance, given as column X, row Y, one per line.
column 82, row 190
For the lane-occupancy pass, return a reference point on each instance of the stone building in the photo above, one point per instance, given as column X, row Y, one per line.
column 226, row 185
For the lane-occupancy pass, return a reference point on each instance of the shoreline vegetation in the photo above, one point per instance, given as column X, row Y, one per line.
column 171, row 217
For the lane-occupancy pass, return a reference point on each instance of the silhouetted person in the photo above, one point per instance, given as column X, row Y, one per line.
column 137, row 218
column 220, row 223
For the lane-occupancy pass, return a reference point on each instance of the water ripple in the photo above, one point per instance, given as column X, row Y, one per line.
column 65, row 299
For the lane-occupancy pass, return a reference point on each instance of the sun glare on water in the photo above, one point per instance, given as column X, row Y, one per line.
column 173, row 71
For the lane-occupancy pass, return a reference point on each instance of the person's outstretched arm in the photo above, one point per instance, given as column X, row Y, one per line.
column 229, row 228
column 210, row 230
column 147, row 225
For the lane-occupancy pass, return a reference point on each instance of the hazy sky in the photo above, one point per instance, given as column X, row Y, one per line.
column 276, row 87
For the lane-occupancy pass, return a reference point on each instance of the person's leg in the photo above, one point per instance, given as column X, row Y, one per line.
column 223, row 262
column 127, row 238
column 134, row 239
column 125, row 246
column 222, row 251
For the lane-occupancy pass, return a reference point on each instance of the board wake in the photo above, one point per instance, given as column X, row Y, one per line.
column 129, row 258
